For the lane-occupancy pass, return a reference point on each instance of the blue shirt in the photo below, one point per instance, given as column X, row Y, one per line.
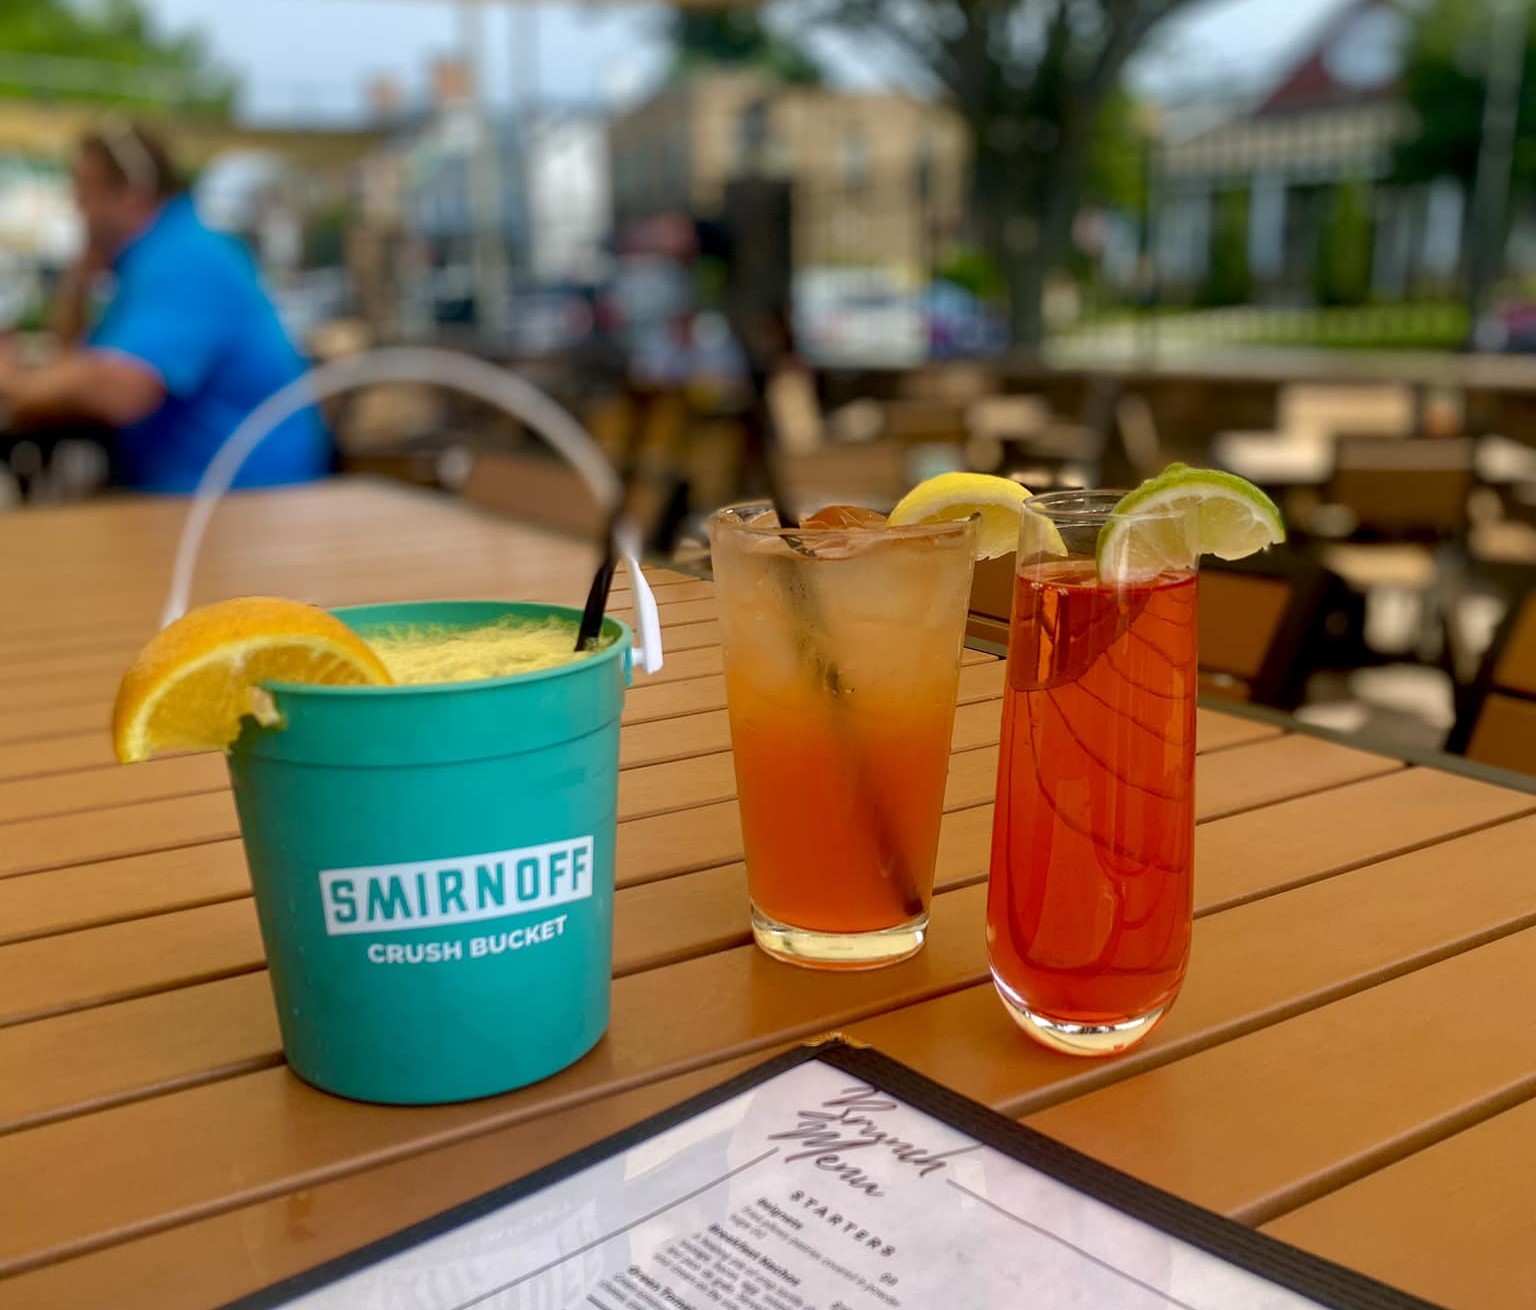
column 190, row 306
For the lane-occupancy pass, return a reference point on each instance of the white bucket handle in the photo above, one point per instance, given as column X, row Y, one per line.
column 496, row 386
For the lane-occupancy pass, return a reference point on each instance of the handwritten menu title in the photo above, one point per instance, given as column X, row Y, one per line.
column 850, row 1122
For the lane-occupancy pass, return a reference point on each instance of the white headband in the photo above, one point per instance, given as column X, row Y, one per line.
column 130, row 154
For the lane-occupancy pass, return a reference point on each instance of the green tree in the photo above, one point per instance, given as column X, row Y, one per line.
column 1032, row 79
column 108, row 51
column 1117, row 160
column 1445, row 87
column 1344, row 248
column 1228, row 280
column 735, row 38
column 1470, row 80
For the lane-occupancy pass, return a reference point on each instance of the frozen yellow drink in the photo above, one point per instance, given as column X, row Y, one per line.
column 420, row 655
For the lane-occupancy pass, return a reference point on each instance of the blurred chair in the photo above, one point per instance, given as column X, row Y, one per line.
column 394, row 429
column 1007, row 418
column 992, row 583
column 793, row 407
column 337, row 339
column 925, row 421
column 1137, row 427
column 644, row 433
column 863, row 453
column 1411, row 489
column 1258, row 617
column 1357, row 409
column 1019, row 437
column 1501, row 542
column 958, row 382
column 1389, row 506
column 532, row 488
column 875, row 474
column 1496, row 723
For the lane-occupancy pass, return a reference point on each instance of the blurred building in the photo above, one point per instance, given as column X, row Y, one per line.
column 447, row 174
column 874, row 179
column 445, row 146
column 570, row 211
column 1273, row 175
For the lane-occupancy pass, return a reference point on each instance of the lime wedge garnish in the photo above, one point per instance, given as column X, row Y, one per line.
column 1189, row 512
column 997, row 502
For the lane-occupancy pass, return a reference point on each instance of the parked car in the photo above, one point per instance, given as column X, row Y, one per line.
column 871, row 326
column 1509, row 328
column 873, row 320
column 961, row 325
column 548, row 318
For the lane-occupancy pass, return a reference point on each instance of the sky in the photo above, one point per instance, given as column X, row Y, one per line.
column 310, row 59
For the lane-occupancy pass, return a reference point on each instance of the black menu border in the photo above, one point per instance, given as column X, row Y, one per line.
column 1327, row 1283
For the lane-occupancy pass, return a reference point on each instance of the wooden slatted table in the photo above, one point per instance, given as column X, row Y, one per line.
column 1352, row 1064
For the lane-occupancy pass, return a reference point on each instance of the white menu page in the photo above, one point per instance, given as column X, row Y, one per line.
column 809, row 1191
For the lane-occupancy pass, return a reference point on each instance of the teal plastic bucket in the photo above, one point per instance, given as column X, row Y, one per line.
column 433, row 867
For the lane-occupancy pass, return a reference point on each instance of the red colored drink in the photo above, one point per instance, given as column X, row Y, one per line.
column 1089, row 905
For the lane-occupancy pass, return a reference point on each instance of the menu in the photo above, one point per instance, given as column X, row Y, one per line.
column 830, row 1179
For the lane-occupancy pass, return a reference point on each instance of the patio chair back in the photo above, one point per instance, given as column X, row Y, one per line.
column 1414, row 487
column 1497, row 724
column 1256, row 618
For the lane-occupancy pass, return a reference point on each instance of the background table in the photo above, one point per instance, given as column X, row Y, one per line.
column 1352, row 1065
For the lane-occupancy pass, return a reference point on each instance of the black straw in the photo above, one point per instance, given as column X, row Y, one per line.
column 639, row 409
column 597, row 595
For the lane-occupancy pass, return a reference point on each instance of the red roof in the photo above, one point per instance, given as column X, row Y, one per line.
column 1310, row 84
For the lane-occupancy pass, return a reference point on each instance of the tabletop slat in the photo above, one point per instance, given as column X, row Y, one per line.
column 1330, row 831
column 1245, row 966
column 138, row 886
column 33, row 845
column 678, row 917
column 43, row 757
column 36, row 844
column 122, row 960
column 100, row 687
column 1264, row 772
column 131, row 887
column 1245, row 971
column 63, row 623
column 138, row 1043
column 33, row 723
column 212, row 1260
column 51, row 630
column 1451, row 1223
column 41, row 778
column 174, row 1157
column 1250, row 1130
column 70, row 793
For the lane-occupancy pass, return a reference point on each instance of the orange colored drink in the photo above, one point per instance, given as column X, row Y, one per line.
column 1090, row 900
column 816, row 859
column 841, row 661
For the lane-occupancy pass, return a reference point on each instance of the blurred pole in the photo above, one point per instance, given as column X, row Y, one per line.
column 1495, row 158
column 1148, row 282
column 524, row 22
column 925, row 237
column 488, row 243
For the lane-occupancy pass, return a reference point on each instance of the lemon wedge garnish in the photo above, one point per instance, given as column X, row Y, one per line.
column 997, row 502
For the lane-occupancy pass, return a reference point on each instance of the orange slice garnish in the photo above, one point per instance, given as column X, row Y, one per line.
column 196, row 679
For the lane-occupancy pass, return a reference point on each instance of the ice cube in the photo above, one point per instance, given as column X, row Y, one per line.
column 844, row 516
